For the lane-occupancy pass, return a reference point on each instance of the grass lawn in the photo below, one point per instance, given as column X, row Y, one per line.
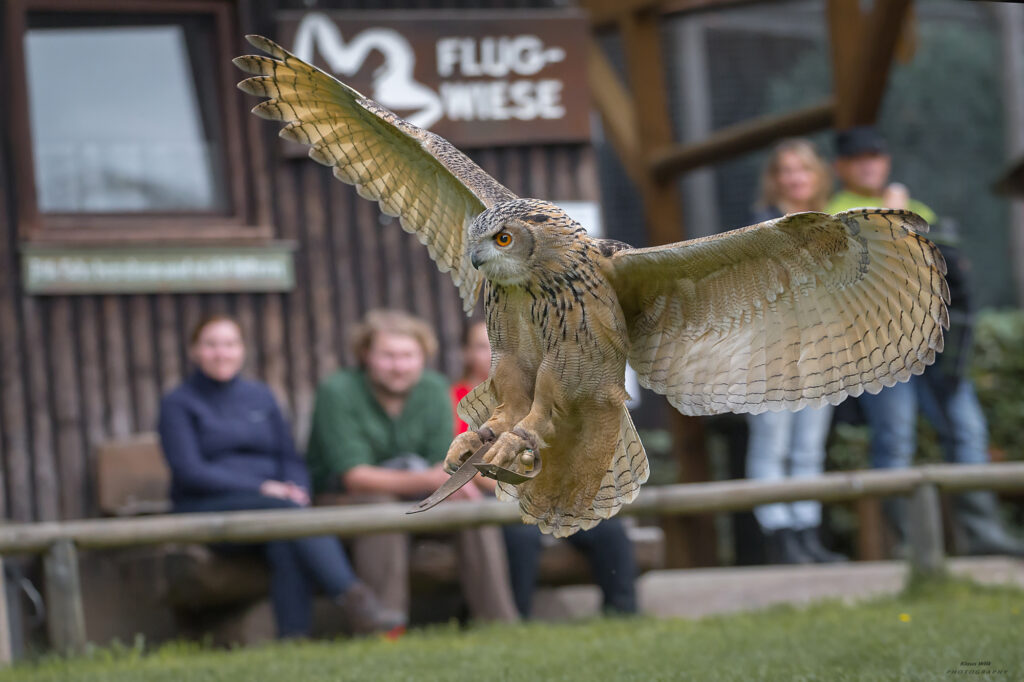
column 923, row 634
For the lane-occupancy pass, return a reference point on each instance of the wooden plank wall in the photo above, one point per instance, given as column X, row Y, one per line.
column 76, row 370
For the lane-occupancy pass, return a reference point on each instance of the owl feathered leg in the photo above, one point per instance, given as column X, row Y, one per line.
column 536, row 427
column 501, row 407
column 592, row 467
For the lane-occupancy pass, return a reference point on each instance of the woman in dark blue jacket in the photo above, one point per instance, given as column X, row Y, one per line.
column 229, row 448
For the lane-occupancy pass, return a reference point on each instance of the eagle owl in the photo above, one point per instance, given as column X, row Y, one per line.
column 794, row 312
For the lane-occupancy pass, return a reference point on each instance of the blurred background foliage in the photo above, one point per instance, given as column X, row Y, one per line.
column 998, row 371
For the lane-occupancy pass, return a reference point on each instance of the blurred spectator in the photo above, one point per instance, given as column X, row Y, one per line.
column 946, row 396
column 476, row 366
column 380, row 432
column 606, row 546
column 791, row 444
column 863, row 165
column 229, row 448
column 944, row 393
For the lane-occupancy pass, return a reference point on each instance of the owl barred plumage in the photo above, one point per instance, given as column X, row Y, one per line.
column 799, row 311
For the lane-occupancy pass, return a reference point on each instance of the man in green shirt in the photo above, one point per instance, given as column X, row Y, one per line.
column 381, row 432
column 863, row 165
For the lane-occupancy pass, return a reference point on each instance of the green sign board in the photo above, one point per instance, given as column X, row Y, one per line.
column 145, row 270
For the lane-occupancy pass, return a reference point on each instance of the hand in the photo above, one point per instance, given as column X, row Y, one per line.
column 277, row 489
column 468, row 492
column 436, row 476
column 297, row 494
column 485, row 485
column 896, row 195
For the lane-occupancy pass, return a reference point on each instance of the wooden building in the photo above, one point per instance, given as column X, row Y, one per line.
column 85, row 360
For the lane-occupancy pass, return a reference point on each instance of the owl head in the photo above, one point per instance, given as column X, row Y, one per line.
column 509, row 241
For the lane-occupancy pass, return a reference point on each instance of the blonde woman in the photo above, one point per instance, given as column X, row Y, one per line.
column 791, row 444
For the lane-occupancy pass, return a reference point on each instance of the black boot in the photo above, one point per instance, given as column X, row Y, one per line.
column 811, row 543
column 782, row 547
column 366, row 615
column 977, row 515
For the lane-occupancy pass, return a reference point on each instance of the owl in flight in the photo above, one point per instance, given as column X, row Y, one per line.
column 795, row 312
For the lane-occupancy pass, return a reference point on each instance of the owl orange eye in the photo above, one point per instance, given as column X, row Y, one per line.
column 503, row 239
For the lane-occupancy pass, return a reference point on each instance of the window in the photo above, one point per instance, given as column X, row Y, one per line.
column 130, row 123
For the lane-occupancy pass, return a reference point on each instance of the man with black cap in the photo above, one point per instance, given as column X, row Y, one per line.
column 944, row 393
column 863, row 165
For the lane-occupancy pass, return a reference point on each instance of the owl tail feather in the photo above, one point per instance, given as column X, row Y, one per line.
column 620, row 485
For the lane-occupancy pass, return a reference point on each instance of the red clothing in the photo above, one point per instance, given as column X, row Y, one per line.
column 459, row 391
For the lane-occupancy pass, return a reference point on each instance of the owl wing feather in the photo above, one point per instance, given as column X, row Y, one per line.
column 793, row 312
column 432, row 187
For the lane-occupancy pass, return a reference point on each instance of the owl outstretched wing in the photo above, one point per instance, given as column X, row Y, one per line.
column 793, row 312
column 433, row 188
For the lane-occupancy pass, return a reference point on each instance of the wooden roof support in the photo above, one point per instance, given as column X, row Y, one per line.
column 863, row 47
column 740, row 138
column 616, row 106
column 692, row 540
column 641, row 38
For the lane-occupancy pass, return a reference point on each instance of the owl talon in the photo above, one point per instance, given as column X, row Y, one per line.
column 510, row 450
column 528, row 438
column 461, row 449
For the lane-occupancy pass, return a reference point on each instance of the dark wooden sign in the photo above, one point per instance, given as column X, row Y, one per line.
column 478, row 78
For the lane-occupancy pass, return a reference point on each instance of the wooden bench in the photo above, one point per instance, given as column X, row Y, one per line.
column 133, row 479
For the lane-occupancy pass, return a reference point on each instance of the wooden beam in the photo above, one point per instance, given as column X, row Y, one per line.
column 641, row 39
column 691, row 542
column 882, row 34
column 65, row 618
column 863, row 48
column 844, row 28
column 740, row 138
column 906, row 46
column 616, row 108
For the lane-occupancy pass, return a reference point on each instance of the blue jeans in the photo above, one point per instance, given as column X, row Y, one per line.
column 297, row 566
column 607, row 548
column 788, row 445
column 953, row 410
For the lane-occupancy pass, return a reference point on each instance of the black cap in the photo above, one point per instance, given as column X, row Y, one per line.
column 860, row 140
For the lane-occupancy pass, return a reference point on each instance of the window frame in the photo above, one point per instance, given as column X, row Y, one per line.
column 246, row 179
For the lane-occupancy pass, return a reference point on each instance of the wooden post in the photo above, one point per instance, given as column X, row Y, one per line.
column 65, row 618
column 924, row 527
column 6, row 653
column 692, row 540
column 870, row 544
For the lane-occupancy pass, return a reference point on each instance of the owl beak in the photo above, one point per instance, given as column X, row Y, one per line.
column 476, row 259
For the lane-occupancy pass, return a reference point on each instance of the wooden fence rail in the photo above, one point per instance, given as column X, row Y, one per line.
column 59, row 540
